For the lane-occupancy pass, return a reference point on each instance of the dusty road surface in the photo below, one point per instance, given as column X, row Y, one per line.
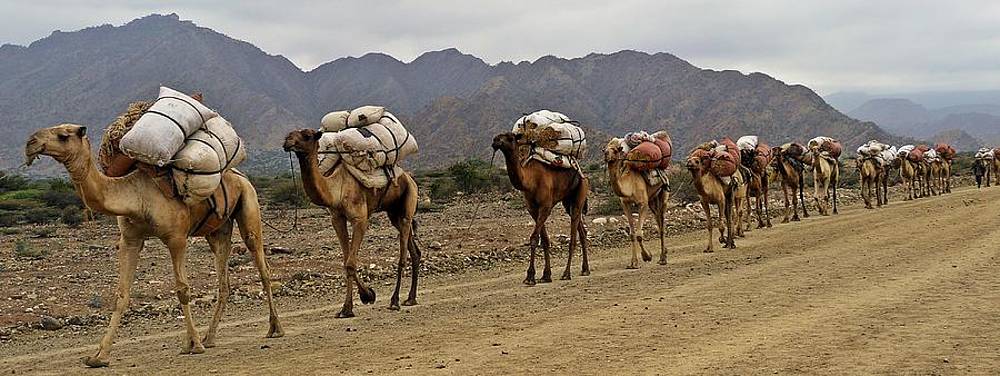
column 910, row 289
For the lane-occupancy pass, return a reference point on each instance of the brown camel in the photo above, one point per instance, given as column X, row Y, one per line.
column 348, row 201
column 939, row 175
column 826, row 177
column 909, row 174
column 981, row 169
column 995, row 166
column 870, row 174
column 791, row 174
column 757, row 162
column 543, row 187
column 925, row 179
column 143, row 211
column 727, row 198
column 636, row 194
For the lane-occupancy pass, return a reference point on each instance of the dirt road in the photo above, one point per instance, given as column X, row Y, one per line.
column 910, row 289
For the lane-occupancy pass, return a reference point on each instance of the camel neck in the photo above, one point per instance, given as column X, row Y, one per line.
column 614, row 177
column 313, row 182
column 99, row 192
column 513, row 168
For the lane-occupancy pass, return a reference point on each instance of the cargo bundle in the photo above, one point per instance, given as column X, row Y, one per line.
column 370, row 142
column 174, row 135
column 553, row 138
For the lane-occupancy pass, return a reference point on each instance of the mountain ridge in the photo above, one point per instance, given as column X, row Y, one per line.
column 453, row 102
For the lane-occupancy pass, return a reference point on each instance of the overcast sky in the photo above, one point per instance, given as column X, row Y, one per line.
column 874, row 46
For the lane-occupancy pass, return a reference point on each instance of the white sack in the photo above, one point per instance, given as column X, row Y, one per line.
column 160, row 132
column 986, row 153
column 365, row 115
column 328, row 156
column 572, row 141
column 816, row 142
column 539, row 119
column 905, row 150
column 747, row 143
column 375, row 178
column 557, row 160
column 380, row 144
column 334, row 121
column 206, row 155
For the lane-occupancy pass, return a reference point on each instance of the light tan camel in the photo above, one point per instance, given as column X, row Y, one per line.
column 791, row 175
column 938, row 170
column 909, row 174
column 870, row 176
column 728, row 199
column 543, row 187
column 144, row 211
column 348, row 201
column 925, row 179
column 826, row 177
column 995, row 166
column 636, row 194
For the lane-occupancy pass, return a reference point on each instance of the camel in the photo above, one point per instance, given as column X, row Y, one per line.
column 939, row 175
column 757, row 186
column 826, row 177
column 927, row 177
column 870, row 173
column 908, row 172
column 981, row 168
column 636, row 192
column 348, row 201
column 791, row 174
column 995, row 166
column 543, row 186
column 143, row 210
column 727, row 198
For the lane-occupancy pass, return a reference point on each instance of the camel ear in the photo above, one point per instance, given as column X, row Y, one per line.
column 317, row 135
column 82, row 131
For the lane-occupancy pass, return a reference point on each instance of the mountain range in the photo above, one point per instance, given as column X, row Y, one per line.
column 974, row 124
column 452, row 102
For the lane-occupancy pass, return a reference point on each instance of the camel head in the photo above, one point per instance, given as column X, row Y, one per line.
column 302, row 141
column 613, row 152
column 506, row 142
column 62, row 143
column 698, row 160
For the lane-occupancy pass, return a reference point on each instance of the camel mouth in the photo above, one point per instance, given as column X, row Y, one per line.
column 32, row 151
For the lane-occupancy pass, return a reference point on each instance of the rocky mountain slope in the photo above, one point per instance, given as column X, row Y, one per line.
column 453, row 102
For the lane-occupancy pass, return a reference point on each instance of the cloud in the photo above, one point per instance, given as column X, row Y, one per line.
column 884, row 46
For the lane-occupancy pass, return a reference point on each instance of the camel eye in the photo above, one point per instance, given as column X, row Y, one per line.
column 63, row 138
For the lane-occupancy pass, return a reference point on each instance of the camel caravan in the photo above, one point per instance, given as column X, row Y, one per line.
column 166, row 169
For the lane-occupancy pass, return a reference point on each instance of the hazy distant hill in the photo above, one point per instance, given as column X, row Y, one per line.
column 453, row 102
column 957, row 138
column 907, row 118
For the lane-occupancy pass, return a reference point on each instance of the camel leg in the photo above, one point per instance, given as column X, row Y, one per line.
column 359, row 226
column 835, row 181
column 248, row 219
column 535, row 212
column 640, row 233
column 582, row 229
column 221, row 244
column 574, row 236
column 659, row 211
column 788, row 206
column 546, row 255
column 767, row 204
column 802, row 197
column 340, row 227
column 130, row 243
column 402, row 225
column 627, row 209
column 708, row 224
column 177, row 245
column 730, row 204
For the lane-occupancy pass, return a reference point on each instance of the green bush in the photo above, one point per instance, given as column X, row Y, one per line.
column 24, row 250
column 61, row 198
column 682, row 188
column 443, row 188
column 23, row 194
column 605, row 206
column 19, row 204
column 287, row 193
column 13, row 182
column 41, row 215
column 71, row 216
column 10, row 218
column 476, row 175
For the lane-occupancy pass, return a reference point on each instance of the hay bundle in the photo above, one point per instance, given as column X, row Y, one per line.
column 112, row 161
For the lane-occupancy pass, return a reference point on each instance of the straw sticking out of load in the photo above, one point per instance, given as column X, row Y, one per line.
column 555, row 138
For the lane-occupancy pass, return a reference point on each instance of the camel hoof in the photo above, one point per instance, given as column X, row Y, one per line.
column 95, row 362
column 585, row 273
column 708, row 251
column 345, row 313
column 545, row 279
column 566, row 276
column 208, row 343
column 274, row 331
column 662, row 261
column 410, row 302
column 632, row 267
column 529, row 281
column 367, row 295
column 647, row 257
column 769, row 225
column 394, row 306
column 786, row 220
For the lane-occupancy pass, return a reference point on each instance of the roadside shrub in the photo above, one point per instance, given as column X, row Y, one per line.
column 443, row 188
column 287, row 193
column 71, row 216
column 13, row 182
column 22, row 249
column 61, row 198
column 476, row 175
column 682, row 190
column 22, row 194
column 605, row 206
column 41, row 215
